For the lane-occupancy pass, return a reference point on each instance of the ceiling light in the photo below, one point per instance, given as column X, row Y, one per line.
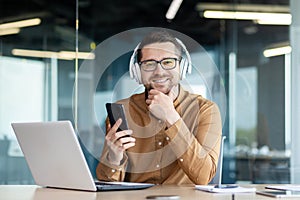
column 10, row 31
column 259, row 17
column 244, row 15
column 259, row 13
column 21, row 24
column 34, row 53
column 174, row 6
column 63, row 55
column 282, row 21
column 243, row 7
column 72, row 54
column 277, row 51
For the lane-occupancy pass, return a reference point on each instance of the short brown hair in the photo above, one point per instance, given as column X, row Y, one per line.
column 158, row 37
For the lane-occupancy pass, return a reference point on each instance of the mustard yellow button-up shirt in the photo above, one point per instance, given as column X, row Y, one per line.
column 187, row 152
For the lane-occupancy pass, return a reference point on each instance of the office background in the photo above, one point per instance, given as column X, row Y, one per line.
column 261, row 111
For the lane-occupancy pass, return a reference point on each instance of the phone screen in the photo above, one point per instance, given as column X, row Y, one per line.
column 114, row 112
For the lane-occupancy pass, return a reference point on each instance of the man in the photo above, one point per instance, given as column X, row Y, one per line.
column 174, row 136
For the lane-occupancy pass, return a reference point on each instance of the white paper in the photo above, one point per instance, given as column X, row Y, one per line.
column 212, row 188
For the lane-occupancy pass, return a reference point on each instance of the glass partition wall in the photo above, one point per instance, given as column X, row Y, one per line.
column 259, row 137
column 61, row 83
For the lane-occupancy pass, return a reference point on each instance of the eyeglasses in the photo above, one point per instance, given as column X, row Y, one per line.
column 151, row 65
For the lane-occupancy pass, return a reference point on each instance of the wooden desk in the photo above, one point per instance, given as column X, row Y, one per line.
column 32, row 192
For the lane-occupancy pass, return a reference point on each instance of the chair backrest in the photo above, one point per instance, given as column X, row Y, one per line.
column 218, row 177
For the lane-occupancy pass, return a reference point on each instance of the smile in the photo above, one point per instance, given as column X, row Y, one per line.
column 160, row 80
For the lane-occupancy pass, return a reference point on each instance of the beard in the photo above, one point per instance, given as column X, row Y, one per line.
column 163, row 84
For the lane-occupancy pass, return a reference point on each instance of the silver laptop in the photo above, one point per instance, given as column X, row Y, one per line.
column 55, row 158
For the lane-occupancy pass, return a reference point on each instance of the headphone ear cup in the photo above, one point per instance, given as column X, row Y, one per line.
column 183, row 67
column 186, row 62
column 134, row 68
column 137, row 73
column 131, row 66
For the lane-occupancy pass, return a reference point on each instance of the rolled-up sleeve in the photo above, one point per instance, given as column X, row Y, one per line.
column 108, row 172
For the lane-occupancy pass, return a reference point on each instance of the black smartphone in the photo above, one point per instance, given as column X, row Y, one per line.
column 114, row 112
column 279, row 194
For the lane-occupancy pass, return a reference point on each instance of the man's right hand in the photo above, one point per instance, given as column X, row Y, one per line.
column 118, row 142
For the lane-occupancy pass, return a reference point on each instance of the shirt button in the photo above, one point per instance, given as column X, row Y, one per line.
column 157, row 166
column 181, row 159
column 167, row 138
column 159, row 143
column 159, row 121
column 113, row 170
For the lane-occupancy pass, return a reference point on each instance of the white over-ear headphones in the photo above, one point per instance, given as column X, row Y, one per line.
column 185, row 64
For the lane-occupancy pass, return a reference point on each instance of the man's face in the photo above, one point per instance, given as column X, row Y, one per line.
column 160, row 79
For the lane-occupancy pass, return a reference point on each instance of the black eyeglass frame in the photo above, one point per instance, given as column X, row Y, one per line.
column 158, row 62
